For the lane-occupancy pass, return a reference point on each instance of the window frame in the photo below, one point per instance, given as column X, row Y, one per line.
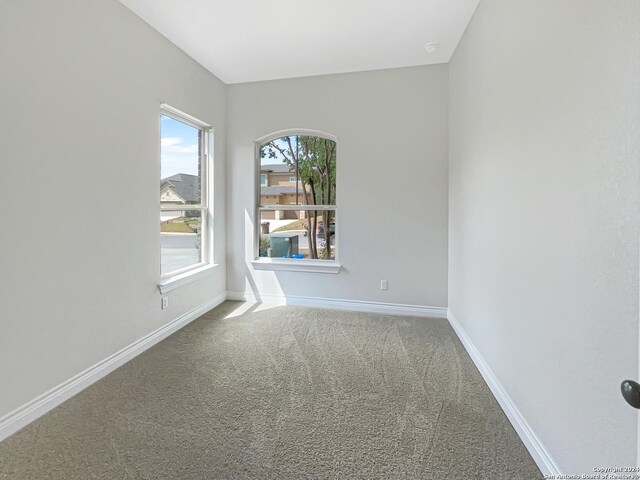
column 290, row 264
column 175, row 278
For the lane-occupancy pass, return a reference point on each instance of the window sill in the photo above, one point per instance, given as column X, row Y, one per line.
column 297, row 265
column 177, row 281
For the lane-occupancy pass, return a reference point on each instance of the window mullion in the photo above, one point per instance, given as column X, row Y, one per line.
column 182, row 207
column 297, row 207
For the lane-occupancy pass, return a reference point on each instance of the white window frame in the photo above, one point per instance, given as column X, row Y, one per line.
column 290, row 264
column 177, row 278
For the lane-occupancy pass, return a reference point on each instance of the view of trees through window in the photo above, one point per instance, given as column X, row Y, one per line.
column 297, row 203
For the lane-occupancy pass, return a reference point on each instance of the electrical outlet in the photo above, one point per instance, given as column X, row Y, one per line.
column 384, row 284
column 165, row 302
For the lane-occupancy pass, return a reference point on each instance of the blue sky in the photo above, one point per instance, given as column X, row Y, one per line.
column 178, row 147
column 282, row 143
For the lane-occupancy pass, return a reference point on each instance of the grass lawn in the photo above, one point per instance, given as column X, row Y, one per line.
column 179, row 225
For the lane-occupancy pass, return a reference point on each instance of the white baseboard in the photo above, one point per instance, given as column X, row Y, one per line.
column 540, row 454
column 27, row 413
column 355, row 305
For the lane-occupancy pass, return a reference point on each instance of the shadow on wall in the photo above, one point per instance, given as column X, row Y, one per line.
column 251, row 286
column 248, row 242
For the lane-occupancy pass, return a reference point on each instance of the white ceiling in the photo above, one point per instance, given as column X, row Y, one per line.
column 250, row 40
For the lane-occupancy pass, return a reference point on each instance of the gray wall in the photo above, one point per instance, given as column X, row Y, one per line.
column 544, row 201
column 80, row 92
column 392, row 181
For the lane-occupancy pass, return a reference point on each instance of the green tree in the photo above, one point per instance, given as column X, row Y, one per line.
column 313, row 159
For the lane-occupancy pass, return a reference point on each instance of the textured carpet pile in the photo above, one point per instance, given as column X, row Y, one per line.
column 281, row 393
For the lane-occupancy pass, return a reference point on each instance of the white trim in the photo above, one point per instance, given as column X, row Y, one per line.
column 295, row 131
column 27, row 413
column 179, row 115
column 286, row 206
column 339, row 304
column 174, row 281
column 184, row 271
column 297, row 265
column 180, row 207
column 540, row 454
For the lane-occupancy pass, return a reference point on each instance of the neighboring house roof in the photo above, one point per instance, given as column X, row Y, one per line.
column 280, row 190
column 185, row 185
column 276, row 168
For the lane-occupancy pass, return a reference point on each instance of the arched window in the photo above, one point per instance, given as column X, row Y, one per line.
column 296, row 184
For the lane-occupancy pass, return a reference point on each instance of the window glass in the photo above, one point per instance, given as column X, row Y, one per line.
column 184, row 210
column 179, row 161
column 299, row 235
column 310, row 160
column 297, row 209
column 180, row 240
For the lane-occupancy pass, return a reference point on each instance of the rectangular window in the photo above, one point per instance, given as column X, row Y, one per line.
column 263, row 179
column 298, row 222
column 185, row 192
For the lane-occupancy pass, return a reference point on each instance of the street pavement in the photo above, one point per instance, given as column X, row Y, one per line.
column 178, row 251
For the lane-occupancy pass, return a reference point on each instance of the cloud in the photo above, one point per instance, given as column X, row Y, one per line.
column 175, row 145
column 166, row 141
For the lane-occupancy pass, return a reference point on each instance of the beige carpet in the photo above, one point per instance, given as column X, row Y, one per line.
column 281, row 393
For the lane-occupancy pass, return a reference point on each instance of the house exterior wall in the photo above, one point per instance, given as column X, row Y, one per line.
column 286, row 199
column 279, row 179
column 169, row 196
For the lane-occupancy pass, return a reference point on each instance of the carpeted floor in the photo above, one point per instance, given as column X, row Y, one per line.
column 281, row 393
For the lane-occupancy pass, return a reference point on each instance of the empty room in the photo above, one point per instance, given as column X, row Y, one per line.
column 329, row 239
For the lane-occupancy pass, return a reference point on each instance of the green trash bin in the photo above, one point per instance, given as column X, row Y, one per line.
column 283, row 245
